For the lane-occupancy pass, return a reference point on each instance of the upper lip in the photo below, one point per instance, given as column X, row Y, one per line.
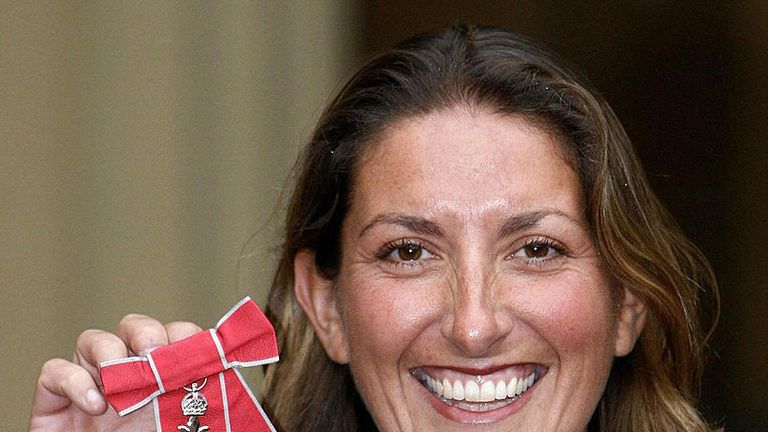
column 473, row 370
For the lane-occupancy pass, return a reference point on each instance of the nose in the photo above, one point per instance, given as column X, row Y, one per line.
column 475, row 322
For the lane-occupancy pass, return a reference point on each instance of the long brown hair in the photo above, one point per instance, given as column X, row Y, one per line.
column 652, row 389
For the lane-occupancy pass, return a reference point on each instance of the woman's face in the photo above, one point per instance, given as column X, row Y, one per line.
column 470, row 292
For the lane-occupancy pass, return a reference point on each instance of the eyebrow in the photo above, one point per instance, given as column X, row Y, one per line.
column 512, row 224
column 414, row 223
column 527, row 220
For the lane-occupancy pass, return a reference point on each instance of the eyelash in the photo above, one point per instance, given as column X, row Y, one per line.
column 544, row 242
column 383, row 254
column 552, row 246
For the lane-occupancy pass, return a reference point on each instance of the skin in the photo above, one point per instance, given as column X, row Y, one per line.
column 473, row 296
column 67, row 395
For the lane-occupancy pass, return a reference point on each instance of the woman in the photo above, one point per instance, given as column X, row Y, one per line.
column 471, row 243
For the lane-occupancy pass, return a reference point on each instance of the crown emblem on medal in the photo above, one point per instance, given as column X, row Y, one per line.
column 194, row 403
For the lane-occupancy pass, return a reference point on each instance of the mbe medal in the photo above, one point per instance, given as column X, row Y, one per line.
column 194, row 405
column 168, row 379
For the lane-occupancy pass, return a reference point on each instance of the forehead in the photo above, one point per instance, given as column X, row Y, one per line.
column 467, row 159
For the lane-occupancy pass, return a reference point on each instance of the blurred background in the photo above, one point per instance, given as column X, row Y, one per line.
column 145, row 147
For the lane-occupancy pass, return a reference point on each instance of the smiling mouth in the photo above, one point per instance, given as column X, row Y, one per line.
column 476, row 390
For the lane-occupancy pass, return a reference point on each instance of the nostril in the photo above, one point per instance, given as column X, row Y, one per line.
column 475, row 337
column 474, row 322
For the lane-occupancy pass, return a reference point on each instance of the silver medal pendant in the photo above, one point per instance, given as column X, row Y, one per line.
column 194, row 405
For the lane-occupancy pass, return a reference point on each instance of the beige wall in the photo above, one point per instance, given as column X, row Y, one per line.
column 142, row 144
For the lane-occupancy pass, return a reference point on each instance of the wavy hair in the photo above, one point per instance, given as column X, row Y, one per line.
column 654, row 388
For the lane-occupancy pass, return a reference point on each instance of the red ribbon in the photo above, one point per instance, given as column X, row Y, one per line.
column 210, row 359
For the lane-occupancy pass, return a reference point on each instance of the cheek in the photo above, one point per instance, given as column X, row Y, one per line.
column 572, row 313
column 383, row 317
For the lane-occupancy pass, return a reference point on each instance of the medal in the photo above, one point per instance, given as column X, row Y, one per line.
column 193, row 406
column 175, row 375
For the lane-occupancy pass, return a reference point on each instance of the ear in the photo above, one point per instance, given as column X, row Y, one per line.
column 631, row 319
column 317, row 296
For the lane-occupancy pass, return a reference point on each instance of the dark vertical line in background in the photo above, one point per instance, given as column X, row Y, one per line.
column 738, row 375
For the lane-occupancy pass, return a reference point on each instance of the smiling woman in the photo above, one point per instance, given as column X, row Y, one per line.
column 497, row 307
column 471, row 244
column 472, row 241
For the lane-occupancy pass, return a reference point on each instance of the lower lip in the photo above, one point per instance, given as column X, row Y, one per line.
column 471, row 417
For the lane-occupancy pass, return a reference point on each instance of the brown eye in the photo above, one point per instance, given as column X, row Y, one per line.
column 409, row 252
column 537, row 250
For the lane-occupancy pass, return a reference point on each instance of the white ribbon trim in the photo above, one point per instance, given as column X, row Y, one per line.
column 227, row 365
column 149, row 398
column 255, row 401
column 219, row 348
column 156, row 373
column 121, row 361
column 140, row 404
column 233, row 310
column 224, row 401
column 158, row 426
column 255, row 363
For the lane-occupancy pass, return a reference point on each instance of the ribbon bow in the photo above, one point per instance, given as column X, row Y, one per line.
column 195, row 383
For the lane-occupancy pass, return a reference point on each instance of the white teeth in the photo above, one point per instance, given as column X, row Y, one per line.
column 447, row 389
column 512, row 387
column 471, row 392
column 487, row 392
column 458, row 391
column 435, row 385
column 520, row 385
column 501, row 391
